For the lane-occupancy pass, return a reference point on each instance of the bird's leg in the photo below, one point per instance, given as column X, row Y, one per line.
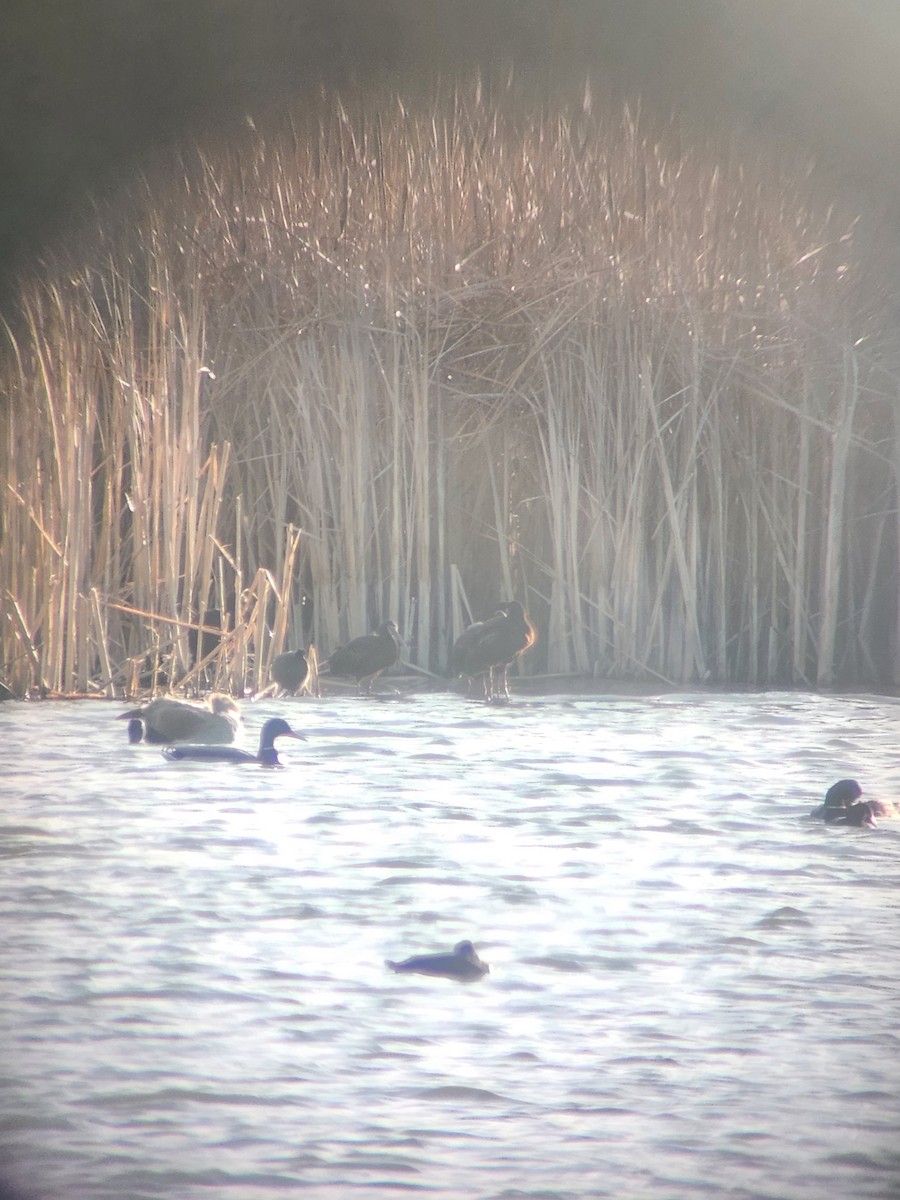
column 499, row 689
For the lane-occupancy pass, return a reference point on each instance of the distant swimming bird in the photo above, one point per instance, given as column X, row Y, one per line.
column 366, row 657
column 487, row 648
column 843, row 805
column 267, row 755
column 463, row 963
column 860, row 813
column 838, row 797
column 167, row 720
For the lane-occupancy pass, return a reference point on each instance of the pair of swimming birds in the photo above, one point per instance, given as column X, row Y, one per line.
column 195, row 731
column 844, row 805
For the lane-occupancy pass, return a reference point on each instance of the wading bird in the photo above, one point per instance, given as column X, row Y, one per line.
column 366, row 657
column 487, row 648
column 290, row 673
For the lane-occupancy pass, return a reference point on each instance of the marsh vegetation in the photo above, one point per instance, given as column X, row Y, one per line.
column 383, row 360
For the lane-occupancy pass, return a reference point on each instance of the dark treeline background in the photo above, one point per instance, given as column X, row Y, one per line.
column 88, row 87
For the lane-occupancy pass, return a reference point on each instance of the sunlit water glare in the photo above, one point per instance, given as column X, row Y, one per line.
column 694, row 988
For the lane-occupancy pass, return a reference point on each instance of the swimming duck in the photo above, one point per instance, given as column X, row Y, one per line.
column 860, row 813
column 366, row 657
column 843, row 805
column 487, row 648
column 167, row 720
column 462, row 963
column 266, row 756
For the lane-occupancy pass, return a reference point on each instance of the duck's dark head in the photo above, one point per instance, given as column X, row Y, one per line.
column 276, row 727
column 842, row 793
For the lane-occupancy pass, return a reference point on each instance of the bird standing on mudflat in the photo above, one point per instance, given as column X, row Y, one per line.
column 290, row 671
column 167, row 720
column 366, row 657
column 266, row 756
column 487, row 648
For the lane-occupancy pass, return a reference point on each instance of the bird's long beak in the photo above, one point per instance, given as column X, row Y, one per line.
column 300, row 737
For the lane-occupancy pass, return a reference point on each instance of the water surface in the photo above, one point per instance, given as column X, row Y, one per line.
column 693, row 992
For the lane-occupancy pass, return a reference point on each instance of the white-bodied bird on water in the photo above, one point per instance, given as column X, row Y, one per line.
column 167, row 720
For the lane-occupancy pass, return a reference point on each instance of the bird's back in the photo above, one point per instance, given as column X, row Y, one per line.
column 167, row 720
column 367, row 655
column 290, row 670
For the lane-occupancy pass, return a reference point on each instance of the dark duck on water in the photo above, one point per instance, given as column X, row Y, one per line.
column 843, row 806
column 266, row 756
column 461, row 963
column 487, row 648
column 366, row 657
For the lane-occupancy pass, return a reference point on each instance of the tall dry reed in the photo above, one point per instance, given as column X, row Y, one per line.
column 468, row 350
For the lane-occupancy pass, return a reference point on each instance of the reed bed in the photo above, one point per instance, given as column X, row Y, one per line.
column 384, row 360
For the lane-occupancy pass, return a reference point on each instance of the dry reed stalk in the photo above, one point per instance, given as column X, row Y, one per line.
column 833, row 567
column 557, row 350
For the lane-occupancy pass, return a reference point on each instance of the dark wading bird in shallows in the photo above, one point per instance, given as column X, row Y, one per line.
column 266, row 756
column 290, row 673
column 462, row 963
column 486, row 649
column 167, row 720
column 366, row 657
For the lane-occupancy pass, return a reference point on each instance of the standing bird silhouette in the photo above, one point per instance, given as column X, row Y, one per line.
column 486, row 649
column 366, row 657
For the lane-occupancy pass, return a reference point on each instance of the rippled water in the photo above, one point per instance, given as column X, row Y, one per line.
column 694, row 988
